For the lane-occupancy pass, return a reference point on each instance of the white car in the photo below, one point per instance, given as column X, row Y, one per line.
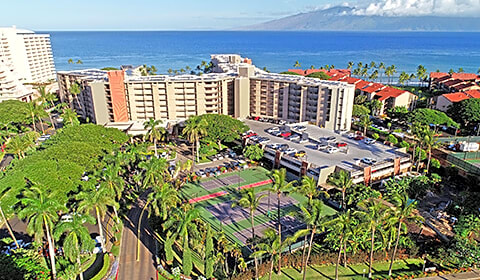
column 351, row 135
column 369, row 161
column 332, row 150
column 290, row 151
column 300, row 128
column 275, row 128
column 369, row 141
column 98, row 245
column 323, row 146
column 294, row 137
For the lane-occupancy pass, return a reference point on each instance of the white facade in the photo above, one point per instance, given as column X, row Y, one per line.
column 27, row 54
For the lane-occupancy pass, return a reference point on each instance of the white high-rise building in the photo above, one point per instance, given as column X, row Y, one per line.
column 25, row 57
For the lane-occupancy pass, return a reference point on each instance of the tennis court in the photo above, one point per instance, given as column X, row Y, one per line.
column 221, row 182
column 289, row 226
column 227, row 215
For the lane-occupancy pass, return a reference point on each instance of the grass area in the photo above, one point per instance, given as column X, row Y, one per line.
column 104, row 270
column 403, row 267
column 251, row 175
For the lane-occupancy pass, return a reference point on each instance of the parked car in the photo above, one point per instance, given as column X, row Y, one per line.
column 98, row 245
column 359, row 137
column 341, row 144
column 300, row 128
column 283, row 147
column 300, row 154
column 369, row 141
column 351, row 136
column 286, row 134
column 369, row 161
column 323, row 147
column 332, row 150
column 313, row 146
column 290, row 151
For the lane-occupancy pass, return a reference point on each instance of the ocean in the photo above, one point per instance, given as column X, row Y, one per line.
column 277, row 51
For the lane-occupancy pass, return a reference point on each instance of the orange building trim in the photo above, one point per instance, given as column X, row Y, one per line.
column 117, row 93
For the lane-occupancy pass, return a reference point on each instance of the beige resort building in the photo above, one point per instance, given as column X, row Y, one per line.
column 235, row 87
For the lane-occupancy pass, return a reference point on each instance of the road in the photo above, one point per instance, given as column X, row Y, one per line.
column 129, row 267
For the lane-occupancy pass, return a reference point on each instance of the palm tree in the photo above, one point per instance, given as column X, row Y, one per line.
column 75, row 91
column 36, row 112
column 460, row 70
column 79, row 62
column 41, row 210
column 154, row 132
column 312, row 67
column 170, row 71
column 4, row 219
column 429, row 141
column 381, row 66
column 373, row 64
column 402, row 212
column 77, row 238
column 313, row 218
column 251, row 201
column 18, row 145
column 45, row 98
column 154, row 172
column 421, row 73
column 195, row 129
column 96, row 198
column 342, row 181
column 70, row 61
column 163, row 198
column 403, row 78
column 280, row 186
column 71, row 116
column 112, row 181
column 341, row 229
column 373, row 214
column 309, row 188
column 350, row 65
column 183, row 225
column 365, row 122
column 297, row 64
column 374, row 75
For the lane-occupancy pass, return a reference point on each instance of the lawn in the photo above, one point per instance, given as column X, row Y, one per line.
column 251, row 175
column 403, row 267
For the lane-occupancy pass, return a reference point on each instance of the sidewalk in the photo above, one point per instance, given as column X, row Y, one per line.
column 472, row 275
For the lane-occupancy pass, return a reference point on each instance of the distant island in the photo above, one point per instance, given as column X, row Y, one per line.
column 345, row 19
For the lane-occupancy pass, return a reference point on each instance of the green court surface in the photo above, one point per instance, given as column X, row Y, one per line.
column 252, row 175
column 357, row 271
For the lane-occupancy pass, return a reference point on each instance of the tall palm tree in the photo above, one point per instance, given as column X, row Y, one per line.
column 183, row 225
column 350, row 65
column 154, row 173
column 4, row 219
column 373, row 214
column 280, row 186
column 365, row 122
column 154, row 132
column 75, row 90
column 373, row 64
column 421, row 73
column 163, row 198
column 45, row 98
column 297, row 64
column 70, row 116
column 429, row 141
column 41, row 210
column 309, row 188
column 195, row 129
column 70, row 61
column 341, row 229
column 115, row 183
column 381, row 66
column 313, row 218
column 374, row 75
column 77, row 238
column 342, row 181
column 18, row 145
column 251, row 201
column 35, row 111
column 402, row 213
column 97, row 199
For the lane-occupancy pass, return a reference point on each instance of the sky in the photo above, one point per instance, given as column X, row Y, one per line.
column 200, row 14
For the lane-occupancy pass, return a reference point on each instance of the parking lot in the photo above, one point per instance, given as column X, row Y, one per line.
column 345, row 158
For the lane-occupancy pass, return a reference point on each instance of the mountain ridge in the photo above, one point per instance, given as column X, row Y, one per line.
column 341, row 18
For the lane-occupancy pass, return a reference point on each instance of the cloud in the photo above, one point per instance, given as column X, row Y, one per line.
column 420, row 7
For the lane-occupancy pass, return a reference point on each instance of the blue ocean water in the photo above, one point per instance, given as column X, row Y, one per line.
column 275, row 50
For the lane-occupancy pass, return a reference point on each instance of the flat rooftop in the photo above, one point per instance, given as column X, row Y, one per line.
column 348, row 159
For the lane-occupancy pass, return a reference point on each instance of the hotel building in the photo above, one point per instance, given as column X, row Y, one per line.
column 235, row 87
column 25, row 57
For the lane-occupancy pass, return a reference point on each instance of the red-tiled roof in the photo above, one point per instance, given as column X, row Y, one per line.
column 463, row 87
column 436, row 75
column 456, row 96
column 361, row 84
column 452, row 83
column 389, row 92
column 473, row 93
column 464, row 76
column 372, row 88
column 298, row 71
column 337, row 78
column 442, row 79
column 351, row 80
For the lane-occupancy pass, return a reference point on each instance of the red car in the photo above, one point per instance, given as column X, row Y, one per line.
column 359, row 137
column 341, row 144
column 286, row 134
column 256, row 118
column 250, row 134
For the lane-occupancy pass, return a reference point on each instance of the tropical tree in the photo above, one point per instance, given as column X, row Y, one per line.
column 253, row 152
column 340, row 231
column 96, row 198
column 70, row 117
column 342, row 181
column 194, row 131
column 403, row 78
column 280, row 187
column 163, row 198
column 36, row 112
column 79, row 62
column 297, row 64
column 374, row 214
column 402, row 213
column 77, row 237
column 154, row 132
column 429, row 141
column 374, row 75
column 20, row 143
column 154, row 172
column 309, row 188
column 4, row 218
column 313, row 218
column 250, row 201
column 46, row 100
column 350, row 65
column 75, row 90
column 70, row 61
column 421, row 73
column 365, row 122
column 40, row 210
column 114, row 182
